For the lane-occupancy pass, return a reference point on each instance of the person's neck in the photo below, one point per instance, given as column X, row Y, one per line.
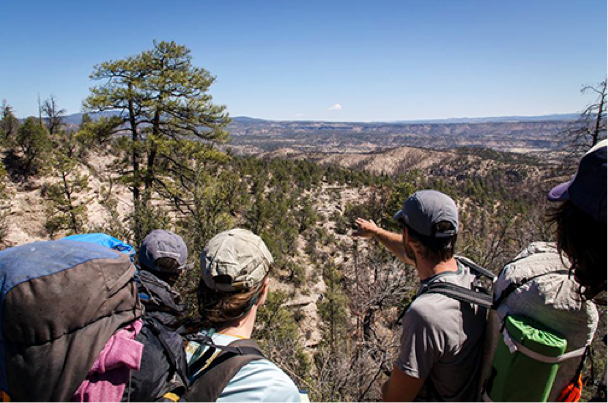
column 429, row 268
column 243, row 327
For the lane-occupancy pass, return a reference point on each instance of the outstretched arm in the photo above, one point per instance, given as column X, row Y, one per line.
column 391, row 240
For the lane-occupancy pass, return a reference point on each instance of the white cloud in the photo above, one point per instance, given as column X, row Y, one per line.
column 299, row 115
column 336, row 107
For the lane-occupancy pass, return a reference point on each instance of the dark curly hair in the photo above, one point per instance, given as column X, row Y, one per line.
column 583, row 240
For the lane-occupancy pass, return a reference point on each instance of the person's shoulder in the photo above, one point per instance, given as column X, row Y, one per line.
column 265, row 368
column 272, row 383
column 429, row 309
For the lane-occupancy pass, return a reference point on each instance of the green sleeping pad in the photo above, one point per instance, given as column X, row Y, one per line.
column 515, row 376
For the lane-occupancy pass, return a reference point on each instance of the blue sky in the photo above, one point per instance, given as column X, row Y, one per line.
column 323, row 60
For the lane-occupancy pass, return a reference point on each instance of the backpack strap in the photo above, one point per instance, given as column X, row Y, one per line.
column 479, row 295
column 225, row 365
column 475, row 267
column 459, row 293
column 177, row 363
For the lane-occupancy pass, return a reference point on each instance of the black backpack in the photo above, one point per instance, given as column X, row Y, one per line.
column 216, row 370
column 163, row 374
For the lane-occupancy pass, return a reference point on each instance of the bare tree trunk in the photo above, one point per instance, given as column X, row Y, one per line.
column 600, row 110
column 68, row 195
column 135, row 160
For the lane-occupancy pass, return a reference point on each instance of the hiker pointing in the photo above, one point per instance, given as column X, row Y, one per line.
column 440, row 345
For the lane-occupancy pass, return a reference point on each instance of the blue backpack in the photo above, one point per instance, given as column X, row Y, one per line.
column 60, row 302
column 104, row 240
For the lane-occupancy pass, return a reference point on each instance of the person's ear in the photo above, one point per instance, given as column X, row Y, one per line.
column 405, row 235
column 265, row 291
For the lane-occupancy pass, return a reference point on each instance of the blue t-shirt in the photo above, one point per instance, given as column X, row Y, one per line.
column 259, row 381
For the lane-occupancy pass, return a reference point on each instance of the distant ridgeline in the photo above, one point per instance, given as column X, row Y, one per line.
column 520, row 134
column 516, row 133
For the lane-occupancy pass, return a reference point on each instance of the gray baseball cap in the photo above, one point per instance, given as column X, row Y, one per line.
column 425, row 208
column 235, row 261
column 160, row 243
column 587, row 189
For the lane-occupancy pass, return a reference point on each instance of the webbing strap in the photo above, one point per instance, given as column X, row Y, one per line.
column 516, row 346
column 460, row 293
column 477, row 268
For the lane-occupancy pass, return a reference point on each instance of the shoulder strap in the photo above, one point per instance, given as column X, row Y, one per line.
column 460, row 293
column 209, row 386
column 480, row 297
column 475, row 267
column 177, row 361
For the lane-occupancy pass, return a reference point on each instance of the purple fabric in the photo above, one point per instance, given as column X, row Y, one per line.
column 560, row 192
column 107, row 379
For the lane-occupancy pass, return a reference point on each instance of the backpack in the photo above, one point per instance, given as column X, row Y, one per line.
column 104, row 240
column 163, row 374
column 60, row 302
column 212, row 371
column 527, row 355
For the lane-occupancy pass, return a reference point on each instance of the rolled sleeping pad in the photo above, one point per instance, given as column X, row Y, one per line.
column 519, row 373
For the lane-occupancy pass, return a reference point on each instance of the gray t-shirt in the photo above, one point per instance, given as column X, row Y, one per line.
column 442, row 340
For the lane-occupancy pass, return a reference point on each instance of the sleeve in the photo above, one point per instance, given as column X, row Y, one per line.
column 421, row 345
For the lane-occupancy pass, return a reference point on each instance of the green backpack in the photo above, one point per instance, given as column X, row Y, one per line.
column 526, row 358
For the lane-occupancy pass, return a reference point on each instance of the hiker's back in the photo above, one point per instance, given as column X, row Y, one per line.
column 551, row 298
column 236, row 377
column 161, row 301
column 453, row 331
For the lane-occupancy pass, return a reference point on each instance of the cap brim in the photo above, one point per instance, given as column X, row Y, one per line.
column 398, row 216
column 560, row 192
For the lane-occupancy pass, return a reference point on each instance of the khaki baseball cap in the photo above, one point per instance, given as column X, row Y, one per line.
column 236, row 260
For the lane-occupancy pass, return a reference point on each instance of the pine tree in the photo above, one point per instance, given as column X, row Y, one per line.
column 65, row 210
column 163, row 101
column 35, row 145
column 9, row 124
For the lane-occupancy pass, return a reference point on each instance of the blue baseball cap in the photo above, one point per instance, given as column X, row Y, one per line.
column 160, row 243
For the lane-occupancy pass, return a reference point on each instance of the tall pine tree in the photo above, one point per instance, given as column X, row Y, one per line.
column 163, row 102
